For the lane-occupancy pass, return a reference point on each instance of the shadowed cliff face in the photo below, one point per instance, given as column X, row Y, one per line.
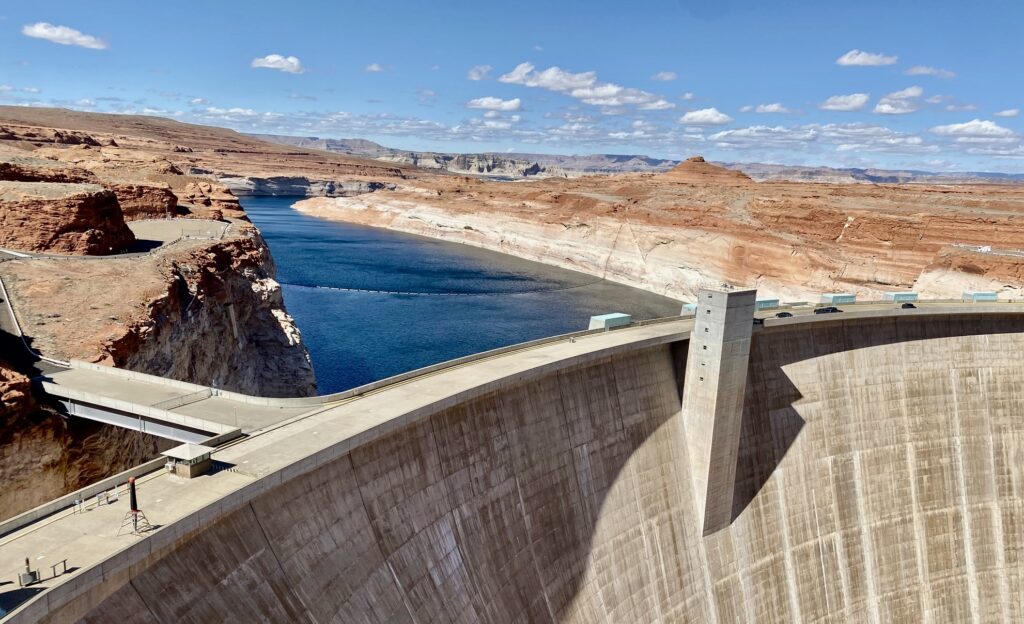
column 878, row 480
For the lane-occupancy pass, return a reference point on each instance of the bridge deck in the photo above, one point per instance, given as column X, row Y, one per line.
column 209, row 413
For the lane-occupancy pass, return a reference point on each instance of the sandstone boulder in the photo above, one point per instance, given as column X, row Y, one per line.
column 48, row 217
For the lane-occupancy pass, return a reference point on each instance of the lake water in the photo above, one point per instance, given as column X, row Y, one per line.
column 455, row 300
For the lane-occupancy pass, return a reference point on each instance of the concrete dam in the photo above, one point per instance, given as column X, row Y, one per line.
column 878, row 477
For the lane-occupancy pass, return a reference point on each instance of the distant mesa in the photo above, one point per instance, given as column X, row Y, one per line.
column 696, row 169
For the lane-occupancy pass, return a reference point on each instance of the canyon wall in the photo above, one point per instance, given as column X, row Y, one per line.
column 701, row 225
column 300, row 186
column 878, row 480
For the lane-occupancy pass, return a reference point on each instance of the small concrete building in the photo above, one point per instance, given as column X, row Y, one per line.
column 900, row 297
column 608, row 321
column 189, row 460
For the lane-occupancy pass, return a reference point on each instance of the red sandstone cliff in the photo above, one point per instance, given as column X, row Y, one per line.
column 61, row 218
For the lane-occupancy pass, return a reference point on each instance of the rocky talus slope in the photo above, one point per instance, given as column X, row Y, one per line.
column 703, row 225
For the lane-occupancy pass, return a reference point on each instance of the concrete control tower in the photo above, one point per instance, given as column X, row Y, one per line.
column 716, row 378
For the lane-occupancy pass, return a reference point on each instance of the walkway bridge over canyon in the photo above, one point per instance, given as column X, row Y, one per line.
column 862, row 465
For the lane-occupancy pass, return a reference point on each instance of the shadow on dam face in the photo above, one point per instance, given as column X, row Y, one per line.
column 878, row 480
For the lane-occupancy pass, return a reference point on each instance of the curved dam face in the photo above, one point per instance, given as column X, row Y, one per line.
column 879, row 479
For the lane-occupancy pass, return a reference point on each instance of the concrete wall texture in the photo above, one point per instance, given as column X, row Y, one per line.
column 880, row 478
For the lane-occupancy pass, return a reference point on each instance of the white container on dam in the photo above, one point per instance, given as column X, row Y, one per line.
column 836, row 298
column 975, row 296
column 608, row 321
column 899, row 297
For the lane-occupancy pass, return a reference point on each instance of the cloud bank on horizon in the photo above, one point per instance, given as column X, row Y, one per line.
column 736, row 87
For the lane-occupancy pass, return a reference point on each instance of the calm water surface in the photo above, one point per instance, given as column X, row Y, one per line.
column 465, row 300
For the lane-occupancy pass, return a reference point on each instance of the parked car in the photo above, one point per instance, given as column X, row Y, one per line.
column 784, row 315
column 908, row 306
column 758, row 321
column 827, row 310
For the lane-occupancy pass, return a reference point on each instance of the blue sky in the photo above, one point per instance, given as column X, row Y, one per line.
column 924, row 84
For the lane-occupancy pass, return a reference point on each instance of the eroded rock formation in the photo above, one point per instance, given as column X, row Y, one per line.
column 145, row 201
column 61, row 218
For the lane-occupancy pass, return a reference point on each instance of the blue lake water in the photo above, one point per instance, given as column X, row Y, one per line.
column 466, row 299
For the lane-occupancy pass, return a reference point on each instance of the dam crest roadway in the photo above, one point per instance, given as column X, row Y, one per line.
column 820, row 378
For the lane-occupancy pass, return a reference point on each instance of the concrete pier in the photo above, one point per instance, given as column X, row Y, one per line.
column 716, row 379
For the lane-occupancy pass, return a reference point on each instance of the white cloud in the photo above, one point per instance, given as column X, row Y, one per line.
column 687, row 96
column 1010, row 112
column 479, row 72
column 909, row 92
column 923, row 70
column 664, row 76
column 8, row 89
column 289, row 64
column 495, row 104
column 857, row 137
column 553, row 78
column 976, row 128
column 857, row 57
column 374, row 68
column 63, row 35
column 199, row 101
column 775, row 107
column 848, row 103
column 959, row 108
column 900, row 102
column 705, row 117
column 585, row 87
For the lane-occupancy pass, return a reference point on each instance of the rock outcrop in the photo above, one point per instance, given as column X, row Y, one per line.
column 221, row 321
column 18, row 168
column 80, row 219
column 218, row 198
column 300, row 186
column 698, row 171
column 16, row 400
column 144, row 201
